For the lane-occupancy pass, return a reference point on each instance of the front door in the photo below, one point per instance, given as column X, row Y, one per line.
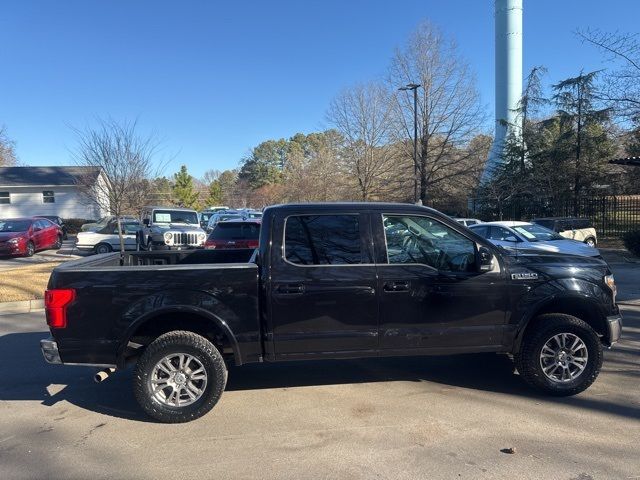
column 323, row 290
column 432, row 295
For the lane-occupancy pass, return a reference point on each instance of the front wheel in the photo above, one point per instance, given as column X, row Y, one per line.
column 560, row 355
column 31, row 249
column 179, row 377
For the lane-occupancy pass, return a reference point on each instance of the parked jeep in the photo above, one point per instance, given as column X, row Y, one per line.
column 168, row 228
column 579, row 229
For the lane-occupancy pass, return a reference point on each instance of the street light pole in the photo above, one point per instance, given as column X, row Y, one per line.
column 414, row 87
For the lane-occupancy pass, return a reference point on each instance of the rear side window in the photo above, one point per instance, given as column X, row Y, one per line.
column 323, row 240
column 5, row 198
column 235, row 231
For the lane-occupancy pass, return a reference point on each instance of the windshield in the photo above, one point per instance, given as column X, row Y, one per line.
column 236, row 231
column 175, row 216
column 14, row 225
column 535, row 233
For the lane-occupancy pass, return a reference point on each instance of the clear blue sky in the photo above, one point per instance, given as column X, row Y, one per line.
column 213, row 79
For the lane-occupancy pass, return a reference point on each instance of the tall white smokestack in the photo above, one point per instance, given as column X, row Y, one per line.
column 508, row 41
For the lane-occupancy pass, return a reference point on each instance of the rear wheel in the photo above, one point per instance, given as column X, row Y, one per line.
column 179, row 377
column 590, row 241
column 561, row 355
column 103, row 248
column 58, row 244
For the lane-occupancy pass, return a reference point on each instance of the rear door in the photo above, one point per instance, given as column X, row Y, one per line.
column 323, row 285
column 432, row 295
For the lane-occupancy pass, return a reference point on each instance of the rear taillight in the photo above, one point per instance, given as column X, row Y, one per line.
column 55, row 303
column 210, row 244
column 253, row 244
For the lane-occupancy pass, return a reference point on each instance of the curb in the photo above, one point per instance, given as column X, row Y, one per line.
column 25, row 306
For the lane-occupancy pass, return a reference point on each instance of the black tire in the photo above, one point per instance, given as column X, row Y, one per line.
column 178, row 342
column 102, row 248
column 528, row 359
column 590, row 241
column 58, row 244
column 31, row 249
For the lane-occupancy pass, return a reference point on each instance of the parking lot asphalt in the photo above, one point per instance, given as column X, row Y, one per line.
column 395, row 418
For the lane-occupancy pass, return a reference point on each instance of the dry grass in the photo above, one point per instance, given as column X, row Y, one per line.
column 25, row 283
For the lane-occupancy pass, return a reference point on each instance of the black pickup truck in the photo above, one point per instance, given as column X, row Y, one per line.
column 332, row 281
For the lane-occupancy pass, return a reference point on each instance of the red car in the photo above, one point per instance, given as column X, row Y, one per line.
column 25, row 236
column 234, row 234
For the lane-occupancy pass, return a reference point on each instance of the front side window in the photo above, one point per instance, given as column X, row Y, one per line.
column 48, row 196
column 416, row 239
column 323, row 240
column 5, row 198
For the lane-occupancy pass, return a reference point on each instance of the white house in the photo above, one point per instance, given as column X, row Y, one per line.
column 32, row 191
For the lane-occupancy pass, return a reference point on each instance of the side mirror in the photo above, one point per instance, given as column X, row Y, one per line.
column 485, row 260
column 146, row 222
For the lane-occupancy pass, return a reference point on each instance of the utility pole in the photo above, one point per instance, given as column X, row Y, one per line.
column 414, row 87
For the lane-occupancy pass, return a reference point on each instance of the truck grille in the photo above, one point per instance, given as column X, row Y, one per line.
column 185, row 238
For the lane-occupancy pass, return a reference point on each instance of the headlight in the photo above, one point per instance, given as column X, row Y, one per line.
column 201, row 236
column 14, row 241
column 168, row 236
column 611, row 283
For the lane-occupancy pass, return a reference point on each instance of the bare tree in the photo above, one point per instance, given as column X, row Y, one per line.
column 449, row 110
column 7, row 149
column 622, row 84
column 363, row 115
column 124, row 159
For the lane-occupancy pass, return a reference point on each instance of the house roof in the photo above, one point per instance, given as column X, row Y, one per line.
column 45, row 176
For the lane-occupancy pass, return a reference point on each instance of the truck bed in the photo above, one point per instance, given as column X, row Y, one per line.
column 113, row 301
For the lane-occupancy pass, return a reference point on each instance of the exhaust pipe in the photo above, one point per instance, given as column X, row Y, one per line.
column 102, row 375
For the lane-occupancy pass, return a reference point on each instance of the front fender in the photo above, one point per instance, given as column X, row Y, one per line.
column 567, row 295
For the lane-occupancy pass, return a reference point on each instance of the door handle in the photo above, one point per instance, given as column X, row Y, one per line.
column 290, row 289
column 396, row 286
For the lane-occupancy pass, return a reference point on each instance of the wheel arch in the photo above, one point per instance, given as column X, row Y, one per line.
column 584, row 308
column 153, row 324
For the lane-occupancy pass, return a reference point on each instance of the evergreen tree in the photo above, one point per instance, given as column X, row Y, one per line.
column 186, row 196
column 214, row 195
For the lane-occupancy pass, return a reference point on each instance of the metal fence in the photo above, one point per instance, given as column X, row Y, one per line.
column 611, row 215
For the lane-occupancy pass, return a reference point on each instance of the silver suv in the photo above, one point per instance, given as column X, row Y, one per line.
column 170, row 228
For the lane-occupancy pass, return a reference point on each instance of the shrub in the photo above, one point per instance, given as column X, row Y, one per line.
column 74, row 224
column 632, row 241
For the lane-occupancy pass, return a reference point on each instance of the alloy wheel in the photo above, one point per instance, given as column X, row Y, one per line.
column 564, row 357
column 178, row 380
